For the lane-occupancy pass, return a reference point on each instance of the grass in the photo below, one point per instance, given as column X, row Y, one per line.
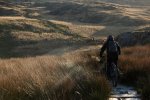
column 134, row 63
column 21, row 36
column 52, row 78
column 55, row 77
column 69, row 76
column 7, row 43
column 32, row 25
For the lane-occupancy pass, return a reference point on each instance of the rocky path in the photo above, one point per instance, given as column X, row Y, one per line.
column 124, row 93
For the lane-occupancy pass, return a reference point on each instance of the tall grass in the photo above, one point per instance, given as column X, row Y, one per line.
column 135, row 65
column 51, row 78
column 20, row 36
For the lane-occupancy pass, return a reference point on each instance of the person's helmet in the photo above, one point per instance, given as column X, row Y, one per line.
column 110, row 38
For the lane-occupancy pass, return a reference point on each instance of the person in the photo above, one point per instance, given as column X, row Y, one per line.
column 113, row 51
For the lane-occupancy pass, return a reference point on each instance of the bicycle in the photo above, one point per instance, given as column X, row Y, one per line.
column 113, row 74
column 110, row 71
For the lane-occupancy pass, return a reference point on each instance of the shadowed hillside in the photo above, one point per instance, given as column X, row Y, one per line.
column 96, row 12
column 68, row 77
column 110, row 18
column 122, row 2
column 50, row 48
column 23, row 36
column 101, row 18
column 138, row 37
column 129, row 2
column 9, row 9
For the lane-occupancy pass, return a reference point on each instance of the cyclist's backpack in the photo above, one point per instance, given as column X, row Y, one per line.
column 112, row 47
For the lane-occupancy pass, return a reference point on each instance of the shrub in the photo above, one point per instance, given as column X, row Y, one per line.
column 134, row 62
column 51, row 78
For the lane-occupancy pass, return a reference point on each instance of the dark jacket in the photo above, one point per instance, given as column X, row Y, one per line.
column 105, row 47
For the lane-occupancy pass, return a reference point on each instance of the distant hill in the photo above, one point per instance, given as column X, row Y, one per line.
column 122, row 2
column 129, row 2
column 23, row 36
column 96, row 12
column 138, row 37
column 38, row 28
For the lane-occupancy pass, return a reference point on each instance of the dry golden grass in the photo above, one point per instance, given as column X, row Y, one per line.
column 137, row 13
column 85, row 30
column 135, row 64
column 55, row 77
column 51, row 77
column 135, row 57
column 28, row 24
column 108, row 18
column 25, row 35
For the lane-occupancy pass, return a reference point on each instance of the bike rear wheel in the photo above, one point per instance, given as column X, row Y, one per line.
column 114, row 75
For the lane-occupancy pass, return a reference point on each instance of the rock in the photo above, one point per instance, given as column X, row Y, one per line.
column 139, row 37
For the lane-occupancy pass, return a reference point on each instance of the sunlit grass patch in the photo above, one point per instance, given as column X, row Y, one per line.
column 135, row 65
column 51, row 77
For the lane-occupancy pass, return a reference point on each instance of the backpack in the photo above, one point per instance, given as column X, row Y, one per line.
column 112, row 47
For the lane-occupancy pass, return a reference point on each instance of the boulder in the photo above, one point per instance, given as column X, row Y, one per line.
column 139, row 37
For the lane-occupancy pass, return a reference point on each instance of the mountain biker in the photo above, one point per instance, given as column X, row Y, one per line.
column 113, row 51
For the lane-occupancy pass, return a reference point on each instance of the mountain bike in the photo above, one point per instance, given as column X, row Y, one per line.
column 111, row 71
column 113, row 75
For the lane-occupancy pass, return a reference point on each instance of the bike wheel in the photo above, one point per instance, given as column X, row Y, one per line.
column 114, row 75
column 115, row 81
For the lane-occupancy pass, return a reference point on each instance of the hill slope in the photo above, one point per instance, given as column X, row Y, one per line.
column 138, row 37
column 24, row 36
column 129, row 2
column 96, row 12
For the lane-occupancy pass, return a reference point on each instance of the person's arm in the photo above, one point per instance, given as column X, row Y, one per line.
column 118, row 47
column 103, row 49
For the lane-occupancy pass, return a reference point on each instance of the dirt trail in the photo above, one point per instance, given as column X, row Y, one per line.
column 122, row 92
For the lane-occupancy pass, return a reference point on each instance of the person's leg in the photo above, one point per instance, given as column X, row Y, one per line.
column 110, row 60
column 115, row 59
column 116, row 63
column 108, row 68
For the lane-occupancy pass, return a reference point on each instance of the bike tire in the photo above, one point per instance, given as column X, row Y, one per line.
column 114, row 76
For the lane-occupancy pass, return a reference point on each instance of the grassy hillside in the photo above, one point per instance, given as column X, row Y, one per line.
column 52, row 77
column 129, row 2
column 96, row 12
column 134, row 63
column 45, row 77
column 94, row 18
column 9, row 9
column 106, row 18
column 122, row 2
column 59, row 44
column 137, row 37
column 23, row 36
